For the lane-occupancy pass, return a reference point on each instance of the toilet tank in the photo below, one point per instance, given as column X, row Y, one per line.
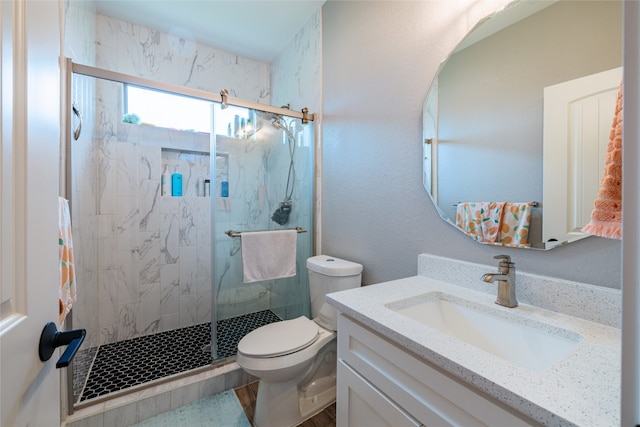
column 330, row 274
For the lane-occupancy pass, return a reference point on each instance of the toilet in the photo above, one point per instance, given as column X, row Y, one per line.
column 295, row 359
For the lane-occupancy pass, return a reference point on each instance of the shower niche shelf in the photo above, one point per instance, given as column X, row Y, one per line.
column 194, row 166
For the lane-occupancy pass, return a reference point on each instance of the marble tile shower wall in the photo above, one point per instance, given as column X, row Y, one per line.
column 79, row 31
column 153, row 268
column 144, row 259
column 296, row 77
column 145, row 52
column 297, row 72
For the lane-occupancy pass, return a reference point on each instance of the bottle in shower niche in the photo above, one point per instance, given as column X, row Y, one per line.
column 164, row 181
column 176, row 183
column 200, row 187
column 224, row 188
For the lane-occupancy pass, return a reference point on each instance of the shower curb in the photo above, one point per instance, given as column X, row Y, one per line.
column 136, row 406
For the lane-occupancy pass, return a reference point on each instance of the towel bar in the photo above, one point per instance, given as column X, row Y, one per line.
column 232, row 233
column 533, row 204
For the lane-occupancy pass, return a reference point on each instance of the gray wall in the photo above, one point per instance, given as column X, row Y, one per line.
column 378, row 61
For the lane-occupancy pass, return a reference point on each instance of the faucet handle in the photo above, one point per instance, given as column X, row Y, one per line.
column 504, row 259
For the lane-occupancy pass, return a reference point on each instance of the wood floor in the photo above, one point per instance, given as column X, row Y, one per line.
column 247, row 397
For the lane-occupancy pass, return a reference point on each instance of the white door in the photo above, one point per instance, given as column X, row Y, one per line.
column 577, row 121
column 30, row 83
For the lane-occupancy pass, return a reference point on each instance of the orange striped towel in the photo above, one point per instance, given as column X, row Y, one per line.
column 606, row 218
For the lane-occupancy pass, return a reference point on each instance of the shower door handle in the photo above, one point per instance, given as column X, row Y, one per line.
column 51, row 338
column 76, row 131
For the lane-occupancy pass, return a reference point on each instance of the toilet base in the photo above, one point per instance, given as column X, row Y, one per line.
column 287, row 404
column 318, row 396
column 291, row 407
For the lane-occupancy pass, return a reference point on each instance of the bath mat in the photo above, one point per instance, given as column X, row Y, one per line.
column 220, row 410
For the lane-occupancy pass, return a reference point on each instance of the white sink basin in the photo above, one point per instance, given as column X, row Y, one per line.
column 535, row 345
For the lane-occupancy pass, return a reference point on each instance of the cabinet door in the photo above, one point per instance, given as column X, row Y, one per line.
column 430, row 395
column 360, row 404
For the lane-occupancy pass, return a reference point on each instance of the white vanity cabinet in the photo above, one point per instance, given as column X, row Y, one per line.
column 382, row 384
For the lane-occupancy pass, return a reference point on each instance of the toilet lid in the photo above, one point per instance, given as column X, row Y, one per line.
column 276, row 339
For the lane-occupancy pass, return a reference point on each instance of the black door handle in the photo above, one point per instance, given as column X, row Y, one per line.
column 51, row 338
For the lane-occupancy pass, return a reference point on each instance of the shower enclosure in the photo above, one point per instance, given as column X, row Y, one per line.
column 159, row 276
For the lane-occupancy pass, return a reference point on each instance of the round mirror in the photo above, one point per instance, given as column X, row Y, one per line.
column 495, row 165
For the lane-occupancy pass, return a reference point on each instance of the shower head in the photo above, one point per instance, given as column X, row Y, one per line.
column 267, row 116
column 277, row 123
column 276, row 120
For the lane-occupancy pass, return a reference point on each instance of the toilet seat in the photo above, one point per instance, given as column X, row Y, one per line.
column 279, row 338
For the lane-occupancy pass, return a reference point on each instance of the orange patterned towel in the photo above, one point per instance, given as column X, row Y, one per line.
column 480, row 220
column 514, row 229
column 67, row 291
column 606, row 218
column 496, row 223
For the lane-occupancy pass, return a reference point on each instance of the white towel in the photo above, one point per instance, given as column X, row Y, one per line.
column 268, row 255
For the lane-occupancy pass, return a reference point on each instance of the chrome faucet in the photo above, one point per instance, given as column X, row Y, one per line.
column 506, row 279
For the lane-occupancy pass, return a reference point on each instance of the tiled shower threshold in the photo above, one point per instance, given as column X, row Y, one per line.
column 138, row 403
column 129, row 365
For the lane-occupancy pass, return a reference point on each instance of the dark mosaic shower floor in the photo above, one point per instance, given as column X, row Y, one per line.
column 136, row 361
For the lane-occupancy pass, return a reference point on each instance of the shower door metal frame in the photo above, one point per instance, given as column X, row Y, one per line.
column 114, row 76
column 69, row 68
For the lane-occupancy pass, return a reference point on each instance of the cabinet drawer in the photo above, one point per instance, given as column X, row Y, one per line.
column 429, row 395
column 359, row 404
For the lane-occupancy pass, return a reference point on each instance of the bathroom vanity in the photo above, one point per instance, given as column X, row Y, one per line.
column 427, row 351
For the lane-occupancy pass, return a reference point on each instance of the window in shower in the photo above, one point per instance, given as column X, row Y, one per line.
column 167, row 110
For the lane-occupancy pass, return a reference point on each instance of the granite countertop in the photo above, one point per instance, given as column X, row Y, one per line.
column 582, row 389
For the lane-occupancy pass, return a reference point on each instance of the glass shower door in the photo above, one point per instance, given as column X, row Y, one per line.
column 263, row 181
column 143, row 255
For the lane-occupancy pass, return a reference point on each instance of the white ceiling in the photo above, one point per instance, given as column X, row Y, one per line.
column 257, row 29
